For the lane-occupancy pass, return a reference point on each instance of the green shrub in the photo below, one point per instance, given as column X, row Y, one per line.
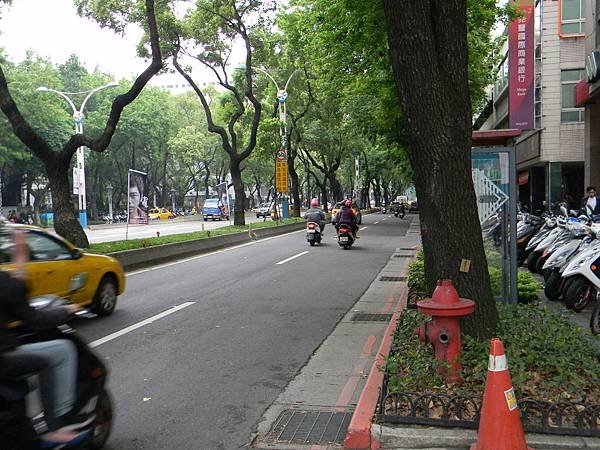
column 549, row 357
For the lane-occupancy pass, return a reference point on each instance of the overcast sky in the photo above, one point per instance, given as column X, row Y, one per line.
column 53, row 30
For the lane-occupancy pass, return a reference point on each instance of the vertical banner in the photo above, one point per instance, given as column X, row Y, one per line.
column 281, row 176
column 137, row 197
column 223, row 198
column 521, row 70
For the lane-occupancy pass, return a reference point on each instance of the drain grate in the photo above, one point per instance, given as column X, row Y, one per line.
column 403, row 256
column 406, row 248
column 386, row 278
column 310, row 427
column 369, row 317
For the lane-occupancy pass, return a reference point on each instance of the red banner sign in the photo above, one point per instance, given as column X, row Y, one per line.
column 521, row 63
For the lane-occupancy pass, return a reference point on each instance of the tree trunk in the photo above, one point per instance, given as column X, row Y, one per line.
column 13, row 179
column 65, row 223
column 295, row 185
column 429, row 55
column 336, row 188
column 239, row 218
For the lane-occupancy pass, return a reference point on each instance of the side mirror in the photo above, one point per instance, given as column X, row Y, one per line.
column 77, row 282
column 77, row 253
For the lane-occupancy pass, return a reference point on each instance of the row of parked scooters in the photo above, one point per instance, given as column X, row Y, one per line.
column 565, row 249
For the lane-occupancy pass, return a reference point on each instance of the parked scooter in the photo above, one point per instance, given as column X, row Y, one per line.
column 581, row 279
column 345, row 236
column 313, row 233
column 22, row 423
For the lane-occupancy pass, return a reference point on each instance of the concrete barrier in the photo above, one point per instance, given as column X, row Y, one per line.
column 149, row 256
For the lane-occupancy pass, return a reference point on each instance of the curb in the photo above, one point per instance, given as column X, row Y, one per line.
column 358, row 436
column 144, row 257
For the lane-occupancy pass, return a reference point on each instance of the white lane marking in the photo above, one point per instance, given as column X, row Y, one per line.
column 364, row 228
column 204, row 255
column 292, row 257
column 375, row 223
column 135, row 326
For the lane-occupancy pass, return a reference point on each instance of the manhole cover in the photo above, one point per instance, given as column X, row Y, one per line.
column 310, row 427
column 386, row 278
column 367, row 317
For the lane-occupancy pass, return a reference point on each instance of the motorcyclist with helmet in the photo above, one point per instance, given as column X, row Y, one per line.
column 315, row 214
column 346, row 215
column 56, row 360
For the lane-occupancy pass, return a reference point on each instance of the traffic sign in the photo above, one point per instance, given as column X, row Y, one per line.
column 281, row 155
column 281, row 176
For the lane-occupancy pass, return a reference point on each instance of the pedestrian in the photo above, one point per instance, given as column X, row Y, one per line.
column 12, row 216
column 590, row 202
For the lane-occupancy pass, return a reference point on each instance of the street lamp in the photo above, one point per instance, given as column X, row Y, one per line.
column 282, row 96
column 78, row 118
column 109, row 188
column 173, row 191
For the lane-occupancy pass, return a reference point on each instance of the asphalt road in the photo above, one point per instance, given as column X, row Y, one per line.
column 117, row 232
column 250, row 317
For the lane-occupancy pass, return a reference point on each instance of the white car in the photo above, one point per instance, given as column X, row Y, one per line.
column 263, row 211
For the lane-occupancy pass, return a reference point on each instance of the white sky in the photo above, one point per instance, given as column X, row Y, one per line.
column 53, row 30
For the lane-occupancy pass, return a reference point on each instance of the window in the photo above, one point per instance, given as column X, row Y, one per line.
column 44, row 248
column 568, row 80
column 6, row 248
column 538, row 65
column 572, row 17
column 501, row 78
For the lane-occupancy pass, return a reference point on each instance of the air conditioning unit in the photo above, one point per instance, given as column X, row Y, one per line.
column 592, row 66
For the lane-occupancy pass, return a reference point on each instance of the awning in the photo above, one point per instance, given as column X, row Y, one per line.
column 494, row 137
column 582, row 93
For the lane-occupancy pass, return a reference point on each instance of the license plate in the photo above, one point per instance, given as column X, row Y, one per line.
column 343, row 238
column 310, row 231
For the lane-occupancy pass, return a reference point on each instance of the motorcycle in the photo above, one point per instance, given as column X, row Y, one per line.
column 313, row 233
column 581, row 279
column 345, row 236
column 22, row 419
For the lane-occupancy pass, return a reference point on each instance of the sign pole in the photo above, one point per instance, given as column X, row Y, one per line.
column 127, row 226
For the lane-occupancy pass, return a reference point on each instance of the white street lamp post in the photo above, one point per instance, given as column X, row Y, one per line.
column 282, row 96
column 109, row 188
column 79, row 183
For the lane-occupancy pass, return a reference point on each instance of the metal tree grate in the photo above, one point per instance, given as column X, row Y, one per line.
column 368, row 317
column 309, row 427
column 387, row 278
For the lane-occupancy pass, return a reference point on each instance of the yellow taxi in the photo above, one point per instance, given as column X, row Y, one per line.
column 55, row 263
column 336, row 209
column 160, row 213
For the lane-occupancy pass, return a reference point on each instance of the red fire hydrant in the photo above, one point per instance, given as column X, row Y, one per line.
column 443, row 331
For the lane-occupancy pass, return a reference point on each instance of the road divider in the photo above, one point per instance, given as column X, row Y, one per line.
column 150, row 256
column 135, row 326
column 291, row 258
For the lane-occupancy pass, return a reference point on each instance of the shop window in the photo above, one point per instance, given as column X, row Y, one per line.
column 568, row 80
column 501, row 78
column 572, row 17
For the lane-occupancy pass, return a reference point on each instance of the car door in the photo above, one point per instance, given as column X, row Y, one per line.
column 51, row 266
column 36, row 281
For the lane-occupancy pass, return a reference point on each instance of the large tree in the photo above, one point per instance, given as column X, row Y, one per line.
column 57, row 161
column 430, row 58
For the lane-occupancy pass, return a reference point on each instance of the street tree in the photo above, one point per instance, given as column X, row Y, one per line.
column 57, row 161
column 430, row 58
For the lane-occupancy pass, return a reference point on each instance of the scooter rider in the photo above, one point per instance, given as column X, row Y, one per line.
column 346, row 215
column 315, row 214
column 56, row 358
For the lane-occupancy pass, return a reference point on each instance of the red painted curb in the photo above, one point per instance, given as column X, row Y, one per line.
column 358, row 436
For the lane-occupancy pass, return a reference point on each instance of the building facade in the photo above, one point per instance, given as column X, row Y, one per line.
column 588, row 95
column 550, row 157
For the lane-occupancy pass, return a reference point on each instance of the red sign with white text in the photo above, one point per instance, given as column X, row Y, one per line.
column 521, row 67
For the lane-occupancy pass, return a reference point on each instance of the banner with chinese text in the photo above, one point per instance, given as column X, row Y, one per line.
column 521, row 60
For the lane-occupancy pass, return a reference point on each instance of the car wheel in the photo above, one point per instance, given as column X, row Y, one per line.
column 102, row 424
column 105, row 300
column 312, row 243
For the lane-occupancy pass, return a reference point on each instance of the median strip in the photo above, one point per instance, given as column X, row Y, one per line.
column 135, row 326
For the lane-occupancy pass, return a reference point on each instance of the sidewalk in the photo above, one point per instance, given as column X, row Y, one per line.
column 316, row 407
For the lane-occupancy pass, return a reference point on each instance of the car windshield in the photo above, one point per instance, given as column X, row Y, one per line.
column 211, row 203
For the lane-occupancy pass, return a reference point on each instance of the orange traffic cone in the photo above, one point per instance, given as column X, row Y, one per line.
column 500, row 426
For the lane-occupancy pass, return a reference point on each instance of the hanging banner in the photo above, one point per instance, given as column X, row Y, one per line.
column 521, row 64
column 137, row 198
column 281, row 176
column 223, row 198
